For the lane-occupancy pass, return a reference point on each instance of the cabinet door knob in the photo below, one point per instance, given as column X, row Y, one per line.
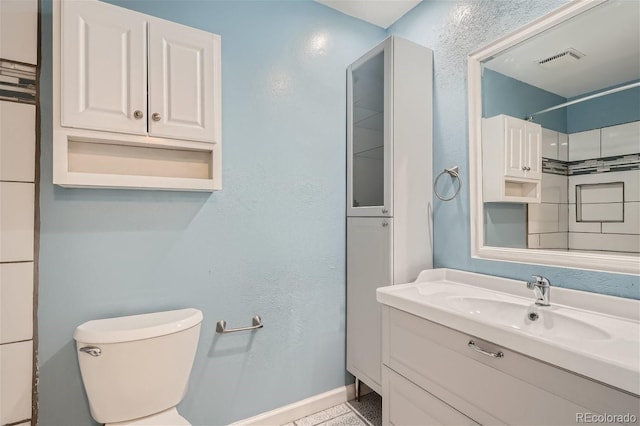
column 155, row 116
column 385, row 224
column 385, row 211
column 138, row 114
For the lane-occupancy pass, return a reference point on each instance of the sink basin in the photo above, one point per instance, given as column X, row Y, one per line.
column 542, row 321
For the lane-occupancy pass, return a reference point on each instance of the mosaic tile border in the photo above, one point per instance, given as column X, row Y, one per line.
column 619, row 163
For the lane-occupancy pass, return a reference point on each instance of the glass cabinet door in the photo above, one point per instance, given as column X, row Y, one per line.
column 367, row 188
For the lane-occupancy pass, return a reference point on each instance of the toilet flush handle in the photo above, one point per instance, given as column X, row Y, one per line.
column 91, row 350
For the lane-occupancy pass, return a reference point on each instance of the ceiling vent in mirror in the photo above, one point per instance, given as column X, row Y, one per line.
column 559, row 60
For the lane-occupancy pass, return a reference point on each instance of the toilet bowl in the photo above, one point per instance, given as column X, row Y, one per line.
column 135, row 369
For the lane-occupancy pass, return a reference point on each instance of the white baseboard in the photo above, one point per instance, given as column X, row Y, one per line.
column 297, row 410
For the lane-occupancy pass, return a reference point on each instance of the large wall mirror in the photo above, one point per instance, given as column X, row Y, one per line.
column 554, row 127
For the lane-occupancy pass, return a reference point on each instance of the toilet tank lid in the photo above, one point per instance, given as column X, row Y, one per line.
column 137, row 327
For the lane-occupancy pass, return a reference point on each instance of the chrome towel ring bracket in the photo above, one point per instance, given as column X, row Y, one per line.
column 453, row 172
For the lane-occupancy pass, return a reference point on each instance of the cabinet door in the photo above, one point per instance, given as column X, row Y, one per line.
column 19, row 30
column 514, row 147
column 104, row 67
column 533, row 151
column 369, row 165
column 184, row 82
column 369, row 266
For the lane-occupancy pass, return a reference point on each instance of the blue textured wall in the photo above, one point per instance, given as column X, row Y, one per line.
column 271, row 243
column 609, row 110
column 505, row 95
column 454, row 29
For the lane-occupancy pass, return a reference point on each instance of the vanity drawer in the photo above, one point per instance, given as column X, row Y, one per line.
column 407, row 404
column 514, row 389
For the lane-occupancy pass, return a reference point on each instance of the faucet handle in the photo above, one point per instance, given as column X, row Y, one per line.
column 540, row 281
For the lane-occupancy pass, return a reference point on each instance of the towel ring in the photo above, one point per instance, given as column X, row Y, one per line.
column 453, row 172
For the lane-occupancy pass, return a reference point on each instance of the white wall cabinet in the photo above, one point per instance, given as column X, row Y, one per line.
column 134, row 87
column 511, row 160
column 105, row 73
column 434, row 364
column 389, row 188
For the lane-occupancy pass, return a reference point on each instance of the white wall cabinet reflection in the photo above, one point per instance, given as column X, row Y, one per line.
column 512, row 159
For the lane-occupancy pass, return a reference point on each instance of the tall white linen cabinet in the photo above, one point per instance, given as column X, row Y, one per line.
column 389, row 188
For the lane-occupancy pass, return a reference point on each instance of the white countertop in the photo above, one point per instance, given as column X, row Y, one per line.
column 594, row 335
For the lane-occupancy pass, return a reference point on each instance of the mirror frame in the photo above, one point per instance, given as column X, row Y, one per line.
column 588, row 261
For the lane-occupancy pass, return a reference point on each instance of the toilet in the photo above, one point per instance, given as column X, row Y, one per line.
column 135, row 369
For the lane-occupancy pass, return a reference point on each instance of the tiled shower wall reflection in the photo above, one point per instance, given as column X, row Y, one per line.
column 590, row 191
column 18, row 32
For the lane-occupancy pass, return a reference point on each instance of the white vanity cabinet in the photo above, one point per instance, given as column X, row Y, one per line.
column 433, row 367
column 389, row 187
column 511, row 160
column 138, row 100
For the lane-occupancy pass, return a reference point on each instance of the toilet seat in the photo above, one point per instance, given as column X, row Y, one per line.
column 169, row 417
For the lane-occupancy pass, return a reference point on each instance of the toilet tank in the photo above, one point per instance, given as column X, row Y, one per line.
column 138, row 365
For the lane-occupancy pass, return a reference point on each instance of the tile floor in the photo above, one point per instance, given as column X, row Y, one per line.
column 366, row 412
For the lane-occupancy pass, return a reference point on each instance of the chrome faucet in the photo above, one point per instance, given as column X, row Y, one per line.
column 542, row 289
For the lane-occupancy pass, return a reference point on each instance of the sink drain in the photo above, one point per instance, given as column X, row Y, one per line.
column 533, row 316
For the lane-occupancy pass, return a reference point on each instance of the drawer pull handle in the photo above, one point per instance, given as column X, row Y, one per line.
column 477, row 348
